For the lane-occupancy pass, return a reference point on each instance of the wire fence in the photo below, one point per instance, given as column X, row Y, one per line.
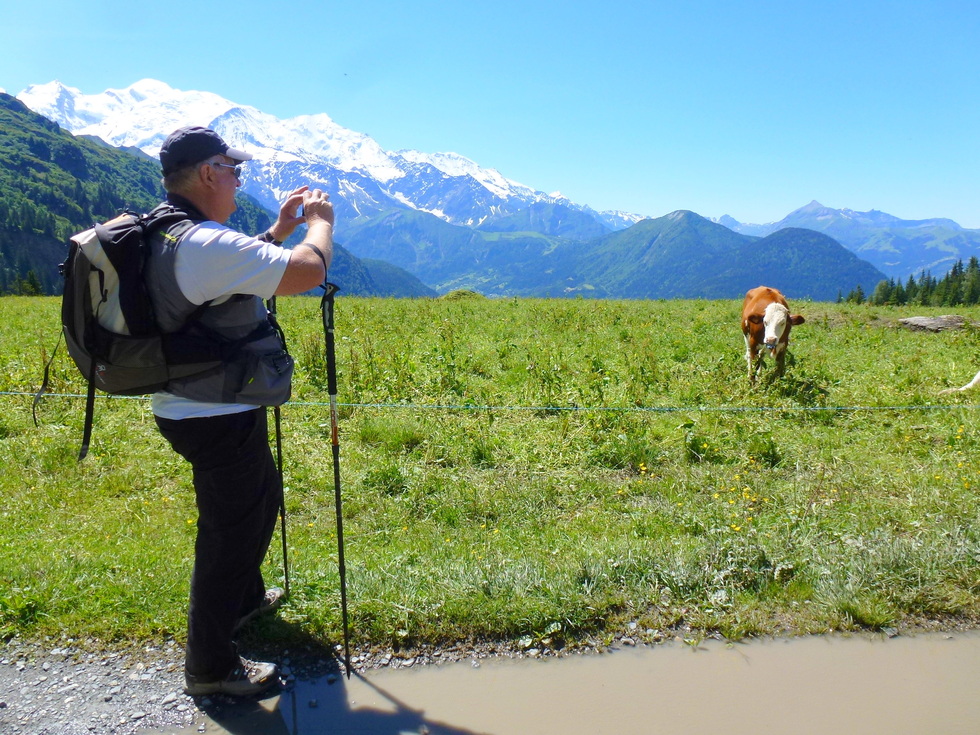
column 573, row 408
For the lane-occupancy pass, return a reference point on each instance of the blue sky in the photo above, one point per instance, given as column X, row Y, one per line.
column 744, row 108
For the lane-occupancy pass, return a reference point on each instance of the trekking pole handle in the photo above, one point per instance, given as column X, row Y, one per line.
column 326, row 305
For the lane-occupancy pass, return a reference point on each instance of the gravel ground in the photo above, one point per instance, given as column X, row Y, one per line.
column 63, row 690
column 66, row 688
column 48, row 689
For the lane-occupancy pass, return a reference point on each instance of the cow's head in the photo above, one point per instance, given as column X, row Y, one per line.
column 777, row 321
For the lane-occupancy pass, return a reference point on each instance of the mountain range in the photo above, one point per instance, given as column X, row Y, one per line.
column 362, row 178
column 899, row 248
column 679, row 255
column 453, row 224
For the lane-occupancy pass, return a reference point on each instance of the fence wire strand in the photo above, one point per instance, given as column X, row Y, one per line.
column 556, row 409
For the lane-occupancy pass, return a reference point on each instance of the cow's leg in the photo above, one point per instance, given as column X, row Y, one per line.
column 750, row 359
column 972, row 384
column 780, row 359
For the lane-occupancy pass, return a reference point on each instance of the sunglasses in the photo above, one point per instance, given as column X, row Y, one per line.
column 237, row 170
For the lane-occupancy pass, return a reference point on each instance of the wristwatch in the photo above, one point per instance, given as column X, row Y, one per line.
column 268, row 237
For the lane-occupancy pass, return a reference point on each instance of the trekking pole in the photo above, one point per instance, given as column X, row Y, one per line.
column 326, row 307
column 277, row 415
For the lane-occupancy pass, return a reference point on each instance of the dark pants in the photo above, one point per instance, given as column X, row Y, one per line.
column 238, row 491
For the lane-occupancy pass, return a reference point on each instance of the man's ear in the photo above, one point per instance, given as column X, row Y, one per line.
column 207, row 175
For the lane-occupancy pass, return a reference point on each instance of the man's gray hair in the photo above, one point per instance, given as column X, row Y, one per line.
column 178, row 181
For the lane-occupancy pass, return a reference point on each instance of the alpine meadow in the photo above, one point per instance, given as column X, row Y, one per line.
column 530, row 472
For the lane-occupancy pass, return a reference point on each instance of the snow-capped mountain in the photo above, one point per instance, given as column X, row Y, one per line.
column 362, row 178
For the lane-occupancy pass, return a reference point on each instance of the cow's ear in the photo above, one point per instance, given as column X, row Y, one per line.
column 755, row 318
column 796, row 319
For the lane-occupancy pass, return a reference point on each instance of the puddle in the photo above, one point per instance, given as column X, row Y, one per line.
column 908, row 684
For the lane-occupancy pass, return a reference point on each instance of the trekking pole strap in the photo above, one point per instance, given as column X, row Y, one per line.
column 45, row 380
column 89, row 414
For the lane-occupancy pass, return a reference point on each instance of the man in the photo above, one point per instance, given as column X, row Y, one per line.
column 216, row 277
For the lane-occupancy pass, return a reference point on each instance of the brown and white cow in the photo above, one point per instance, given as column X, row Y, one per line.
column 766, row 323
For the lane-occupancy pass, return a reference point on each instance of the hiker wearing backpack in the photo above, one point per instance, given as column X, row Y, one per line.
column 202, row 271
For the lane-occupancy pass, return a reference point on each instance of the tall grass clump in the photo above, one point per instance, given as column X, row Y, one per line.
column 531, row 471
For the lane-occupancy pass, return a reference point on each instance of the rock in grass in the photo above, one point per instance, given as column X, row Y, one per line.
column 934, row 323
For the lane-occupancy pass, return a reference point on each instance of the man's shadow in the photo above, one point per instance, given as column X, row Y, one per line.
column 315, row 701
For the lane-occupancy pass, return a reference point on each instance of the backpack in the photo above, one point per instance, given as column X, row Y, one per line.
column 107, row 314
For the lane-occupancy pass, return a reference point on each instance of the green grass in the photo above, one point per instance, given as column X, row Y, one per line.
column 530, row 471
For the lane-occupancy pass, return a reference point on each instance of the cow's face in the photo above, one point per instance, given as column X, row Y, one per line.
column 776, row 321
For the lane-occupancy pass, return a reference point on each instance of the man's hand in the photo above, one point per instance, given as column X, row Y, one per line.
column 317, row 207
column 289, row 217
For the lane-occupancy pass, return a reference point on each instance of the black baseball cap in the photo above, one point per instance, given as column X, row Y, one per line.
column 192, row 144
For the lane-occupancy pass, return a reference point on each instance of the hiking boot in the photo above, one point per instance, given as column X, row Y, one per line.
column 270, row 603
column 245, row 680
